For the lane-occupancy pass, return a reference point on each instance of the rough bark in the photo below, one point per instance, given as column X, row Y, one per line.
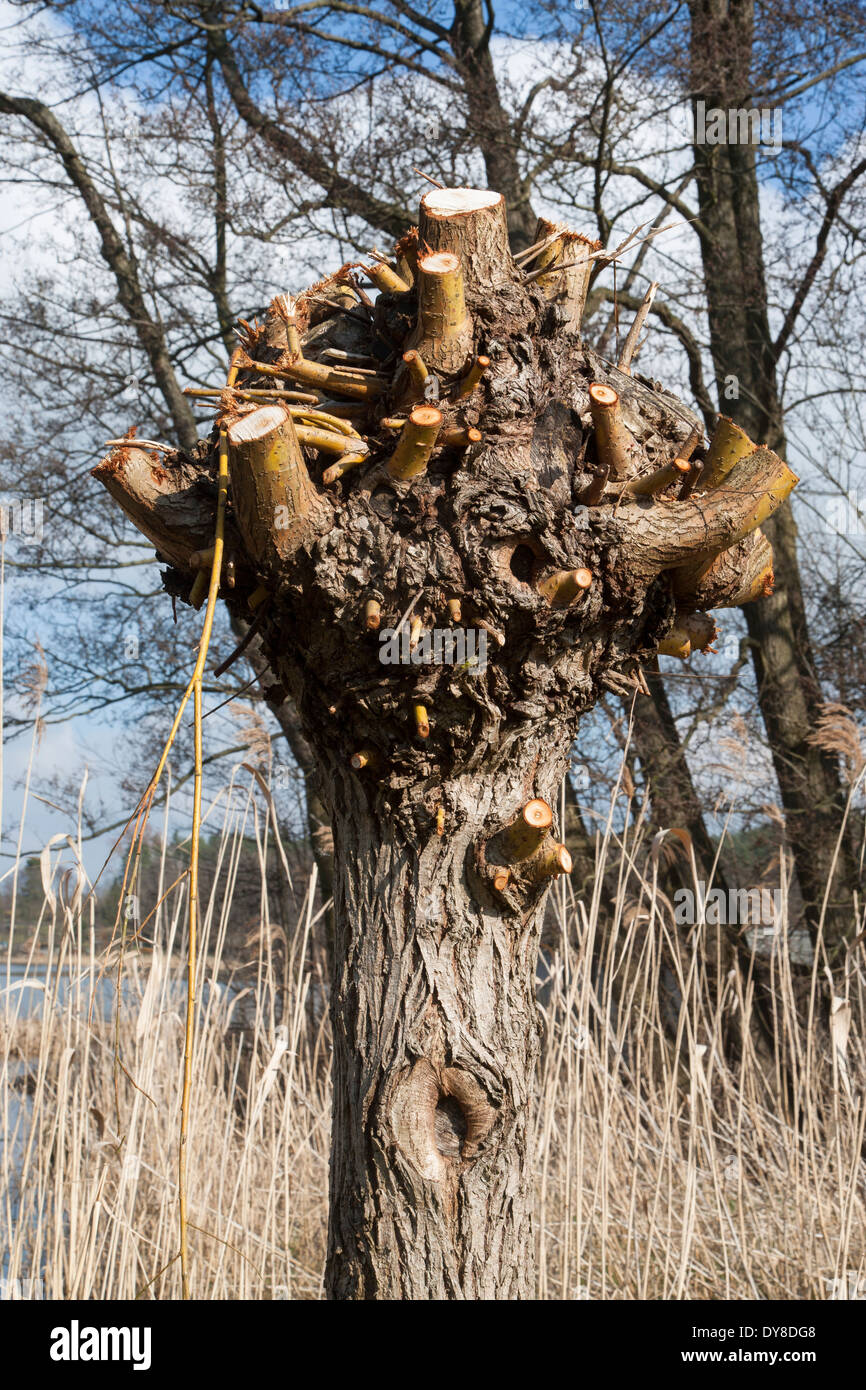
column 428, row 762
column 492, row 131
column 437, row 1034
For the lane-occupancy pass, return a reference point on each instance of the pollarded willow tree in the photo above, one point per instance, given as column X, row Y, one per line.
column 449, row 459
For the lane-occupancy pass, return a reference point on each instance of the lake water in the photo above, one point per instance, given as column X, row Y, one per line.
column 23, row 990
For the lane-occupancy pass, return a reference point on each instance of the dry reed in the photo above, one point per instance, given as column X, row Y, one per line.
column 668, row 1165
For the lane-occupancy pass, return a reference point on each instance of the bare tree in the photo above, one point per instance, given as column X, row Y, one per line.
column 137, row 244
column 373, row 513
column 744, row 348
column 145, row 328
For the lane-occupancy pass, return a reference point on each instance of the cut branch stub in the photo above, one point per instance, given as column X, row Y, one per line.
column 365, row 757
column 757, row 580
column 471, row 224
column 328, row 441
column 338, row 290
column 673, row 472
column 281, row 330
column 691, row 632
column 737, row 576
column 421, row 720
column 550, row 861
column 406, row 256
column 417, row 441
column 469, row 382
column 594, row 492
column 562, row 587
column 566, row 287
column 199, row 590
column 460, row 437
column 615, row 446
column 728, row 445
column 416, row 368
column 752, row 490
column 687, row 536
column 160, row 496
column 444, row 334
column 276, row 505
column 343, row 465
column 386, row 278
column 523, row 837
column 342, row 381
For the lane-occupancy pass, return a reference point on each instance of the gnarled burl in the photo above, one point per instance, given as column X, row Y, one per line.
column 450, row 458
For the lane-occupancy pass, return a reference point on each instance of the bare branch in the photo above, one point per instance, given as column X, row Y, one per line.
column 834, row 201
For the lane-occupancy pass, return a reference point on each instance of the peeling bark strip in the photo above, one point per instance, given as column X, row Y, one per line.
column 492, row 472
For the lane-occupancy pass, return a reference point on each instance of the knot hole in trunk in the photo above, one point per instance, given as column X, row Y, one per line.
column 439, row 1118
column 449, row 1126
column 522, row 563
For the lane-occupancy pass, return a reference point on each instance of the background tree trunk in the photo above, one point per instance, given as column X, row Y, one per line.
column 745, row 358
column 673, row 796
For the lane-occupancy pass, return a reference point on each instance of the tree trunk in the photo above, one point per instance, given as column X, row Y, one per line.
column 435, row 1039
column 487, row 119
column 505, row 507
column 284, row 712
column 745, row 365
column 673, row 796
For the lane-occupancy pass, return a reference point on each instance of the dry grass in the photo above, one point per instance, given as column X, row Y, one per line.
column 665, row 1170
